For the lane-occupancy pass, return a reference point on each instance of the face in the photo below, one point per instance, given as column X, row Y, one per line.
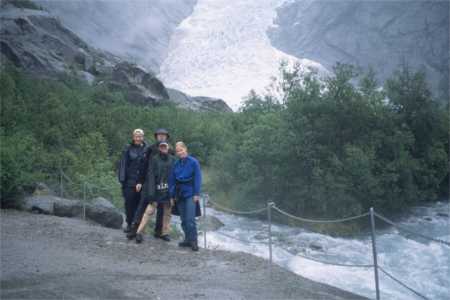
column 138, row 138
column 163, row 149
column 161, row 137
column 181, row 152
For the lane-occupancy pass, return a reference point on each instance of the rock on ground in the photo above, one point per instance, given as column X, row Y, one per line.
column 100, row 210
column 46, row 257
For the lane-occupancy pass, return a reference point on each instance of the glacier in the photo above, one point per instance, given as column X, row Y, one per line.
column 222, row 50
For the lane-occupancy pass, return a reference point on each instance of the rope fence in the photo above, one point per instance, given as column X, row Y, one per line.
column 81, row 190
column 384, row 219
column 371, row 214
column 320, row 221
column 237, row 212
column 86, row 188
column 402, row 284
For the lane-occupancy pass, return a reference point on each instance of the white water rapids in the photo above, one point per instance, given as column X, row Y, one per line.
column 422, row 265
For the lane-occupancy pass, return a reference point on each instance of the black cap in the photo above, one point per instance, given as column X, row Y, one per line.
column 162, row 131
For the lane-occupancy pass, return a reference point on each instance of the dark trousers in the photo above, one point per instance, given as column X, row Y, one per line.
column 186, row 208
column 159, row 219
column 131, row 198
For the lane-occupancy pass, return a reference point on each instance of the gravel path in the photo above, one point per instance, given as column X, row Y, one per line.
column 48, row 257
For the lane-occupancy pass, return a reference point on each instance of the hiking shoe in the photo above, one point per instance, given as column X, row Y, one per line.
column 194, row 246
column 184, row 244
column 132, row 234
column 127, row 229
column 139, row 238
column 165, row 237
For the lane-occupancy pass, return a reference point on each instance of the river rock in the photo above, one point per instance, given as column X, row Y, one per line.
column 316, row 246
column 210, row 223
column 442, row 214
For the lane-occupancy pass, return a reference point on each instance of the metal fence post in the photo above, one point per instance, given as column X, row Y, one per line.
column 84, row 200
column 269, row 219
column 374, row 252
column 204, row 220
column 61, row 187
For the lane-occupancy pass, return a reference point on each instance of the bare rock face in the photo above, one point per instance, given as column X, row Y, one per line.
column 198, row 103
column 37, row 42
column 380, row 34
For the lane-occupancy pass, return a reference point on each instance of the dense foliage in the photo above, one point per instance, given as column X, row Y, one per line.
column 48, row 126
column 317, row 148
column 336, row 148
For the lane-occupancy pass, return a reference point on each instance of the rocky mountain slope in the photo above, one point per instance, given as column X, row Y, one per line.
column 37, row 42
column 381, row 34
column 137, row 30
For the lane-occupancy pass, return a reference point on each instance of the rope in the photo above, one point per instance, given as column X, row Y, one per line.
column 241, row 240
column 411, row 231
column 250, row 212
column 402, row 284
column 335, row 264
column 318, row 220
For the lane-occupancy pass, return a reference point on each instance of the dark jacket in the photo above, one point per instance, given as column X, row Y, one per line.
column 156, row 186
column 152, row 150
column 131, row 168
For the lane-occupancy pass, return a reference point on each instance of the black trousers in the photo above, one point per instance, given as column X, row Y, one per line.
column 132, row 199
column 159, row 219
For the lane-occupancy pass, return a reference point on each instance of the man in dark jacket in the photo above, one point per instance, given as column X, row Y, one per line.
column 155, row 192
column 131, row 173
column 161, row 135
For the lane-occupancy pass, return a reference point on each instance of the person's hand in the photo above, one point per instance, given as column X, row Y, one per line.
column 172, row 202
column 138, row 187
column 196, row 198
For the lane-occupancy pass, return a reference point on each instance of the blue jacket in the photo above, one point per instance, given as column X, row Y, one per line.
column 187, row 175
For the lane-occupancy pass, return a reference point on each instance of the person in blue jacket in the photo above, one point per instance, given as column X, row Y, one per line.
column 185, row 181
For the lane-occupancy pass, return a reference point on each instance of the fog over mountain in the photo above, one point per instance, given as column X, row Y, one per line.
column 138, row 30
column 223, row 49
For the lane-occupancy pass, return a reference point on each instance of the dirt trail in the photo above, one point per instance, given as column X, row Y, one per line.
column 48, row 257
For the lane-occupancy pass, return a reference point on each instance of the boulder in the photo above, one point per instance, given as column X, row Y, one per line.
column 42, row 189
column 41, row 204
column 100, row 201
column 104, row 214
column 210, row 223
column 68, row 208
column 443, row 214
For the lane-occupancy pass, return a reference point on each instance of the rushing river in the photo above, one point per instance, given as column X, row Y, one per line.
column 421, row 264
